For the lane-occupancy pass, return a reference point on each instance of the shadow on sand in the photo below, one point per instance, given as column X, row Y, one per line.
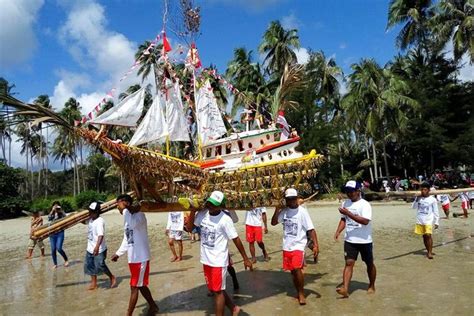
column 264, row 284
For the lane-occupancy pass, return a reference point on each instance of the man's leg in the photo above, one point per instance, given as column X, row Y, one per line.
column 428, row 241
column 298, row 281
column 52, row 242
column 252, row 251
column 372, row 273
column 219, row 299
column 153, row 308
column 233, row 275
column 173, row 251
column 346, row 278
column 29, row 253
column 180, row 250
column 133, row 300
column 234, row 309
column 262, row 246
column 93, row 284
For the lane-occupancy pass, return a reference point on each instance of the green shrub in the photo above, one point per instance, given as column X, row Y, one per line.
column 85, row 198
column 44, row 205
column 67, row 204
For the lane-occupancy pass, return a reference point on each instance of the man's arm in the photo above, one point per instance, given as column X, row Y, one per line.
column 264, row 219
column 240, row 247
column 340, row 228
column 97, row 246
column 357, row 218
column 314, row 238
column 190, row 222
column 275, row 216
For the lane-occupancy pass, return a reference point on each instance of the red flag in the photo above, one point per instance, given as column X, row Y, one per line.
column 281, row 120
column 90, row 115
column 166, row 44
column 84, row 119
column 76, row 123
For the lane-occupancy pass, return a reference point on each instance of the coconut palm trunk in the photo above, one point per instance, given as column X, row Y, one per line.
column 385, row 160
column 374, row 157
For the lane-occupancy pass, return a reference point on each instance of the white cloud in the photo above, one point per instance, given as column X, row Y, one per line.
column 302, row 55
column 17, row 35
column 466, row 72
column 290, row 22
column 343, row 45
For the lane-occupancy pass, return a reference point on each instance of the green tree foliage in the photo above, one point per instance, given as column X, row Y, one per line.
column 11, row 203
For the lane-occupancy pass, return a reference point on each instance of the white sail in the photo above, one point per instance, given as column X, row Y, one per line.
column 153, row 127
column 209, row 118
column 126, row 113
column 177, row 125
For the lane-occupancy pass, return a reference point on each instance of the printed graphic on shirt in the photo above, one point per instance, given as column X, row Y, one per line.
column 208, row 236
column 129, row 235
column 423, row 209
column 90, row 235
column 443, row 198
column 175, row 217
column 290, row 226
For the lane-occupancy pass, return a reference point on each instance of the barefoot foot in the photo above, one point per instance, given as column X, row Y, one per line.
column 302, row 300
column 92, row 287
column 173, row 259
column 153, row 310
column 371, row 290
column 429, row 256
column 113, row 281
column 66, row 263
column 236, row 310
column 343, row 292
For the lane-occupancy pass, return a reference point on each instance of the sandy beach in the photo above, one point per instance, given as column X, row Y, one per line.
column 407, row 282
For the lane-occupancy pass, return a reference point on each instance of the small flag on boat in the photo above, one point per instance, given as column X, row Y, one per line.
column 281, row 120
column 166, row 44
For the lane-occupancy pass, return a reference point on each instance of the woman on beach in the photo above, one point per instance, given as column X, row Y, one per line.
column 56, row 240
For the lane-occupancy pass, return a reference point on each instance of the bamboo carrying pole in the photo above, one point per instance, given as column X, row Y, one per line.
column 70, row 220
column 416, row 193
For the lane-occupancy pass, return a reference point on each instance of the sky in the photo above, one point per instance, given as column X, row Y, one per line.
column 81, row 49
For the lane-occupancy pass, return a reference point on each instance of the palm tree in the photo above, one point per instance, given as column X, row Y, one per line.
column 149, row 60
column 43, row 100
column 5, row 136
column 278, row 46
column 454, row 21
column 414, row 17
column 376, row 104
column 25, row 136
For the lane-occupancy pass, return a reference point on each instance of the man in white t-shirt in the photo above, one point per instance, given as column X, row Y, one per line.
column 427, row 215
column 135, row 244
column 356, row 219
column 94, row 263
column 296, row 224
column 253, row 230
column 445, row 203
column 217, row 229
column 464, row 197
column 174, row 231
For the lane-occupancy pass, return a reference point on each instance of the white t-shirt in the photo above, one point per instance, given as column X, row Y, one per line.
column 254, row 217
column 135, row 237
column 175, row 221
column 358, row 233
column 95, row 228
column 470, row 194
column 215, row 234
column 296, row 222
column 427, row 210
column 444, row 199
column 463, row 196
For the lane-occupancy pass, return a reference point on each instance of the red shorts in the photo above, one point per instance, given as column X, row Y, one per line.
column 464, row 205
column 445, row 207
column 215, row 277
column 293, row 259
column 139, row 273
column 253, row 233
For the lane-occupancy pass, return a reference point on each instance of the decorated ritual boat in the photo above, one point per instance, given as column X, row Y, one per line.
column 253, row 167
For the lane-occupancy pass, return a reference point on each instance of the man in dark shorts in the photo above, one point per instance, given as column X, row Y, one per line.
column 356, row 218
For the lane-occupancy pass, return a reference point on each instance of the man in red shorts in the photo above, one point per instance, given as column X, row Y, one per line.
column 216, row 230
column 296, row 223
column 253, row 230
column 135, row 244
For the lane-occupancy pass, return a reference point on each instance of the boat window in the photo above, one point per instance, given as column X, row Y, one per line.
column 228, row 148
column 275, row 136
column 285, row 153
column 250, row 145
column 208, row 152
column 218, row 150
column 268, row 136
column 270, row 157
column 241, row 145
column 262, row 142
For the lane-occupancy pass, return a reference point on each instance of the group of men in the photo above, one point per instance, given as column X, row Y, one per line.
column 217, row 229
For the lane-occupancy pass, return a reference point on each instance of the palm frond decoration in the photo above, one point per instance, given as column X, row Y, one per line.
column 291, row 81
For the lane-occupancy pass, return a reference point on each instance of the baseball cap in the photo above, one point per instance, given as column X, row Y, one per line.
column 291, row 193
column 216, row 198
column 94, row 206
column 351, row 186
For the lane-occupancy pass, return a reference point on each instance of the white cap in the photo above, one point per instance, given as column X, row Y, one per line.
column 289, row 193
column 216, row 198
column 94, row 206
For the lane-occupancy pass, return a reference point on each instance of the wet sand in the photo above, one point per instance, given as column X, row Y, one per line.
column 407, row 282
